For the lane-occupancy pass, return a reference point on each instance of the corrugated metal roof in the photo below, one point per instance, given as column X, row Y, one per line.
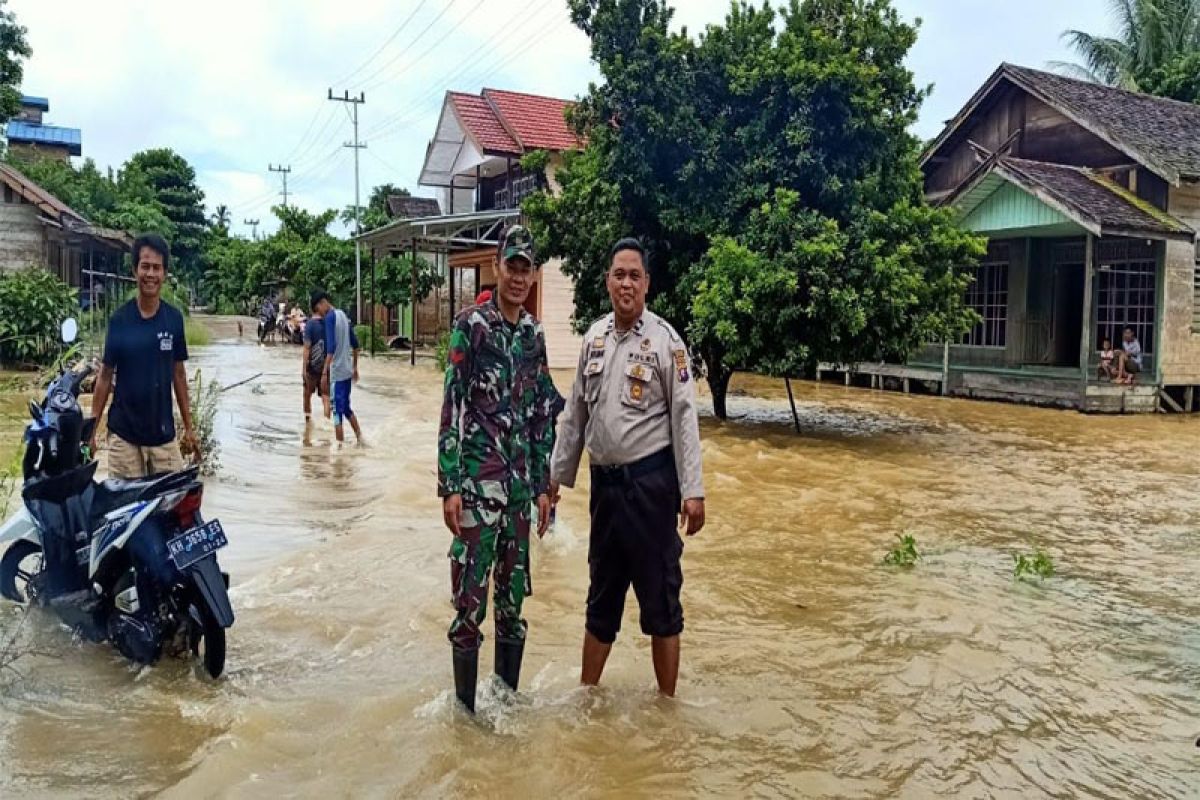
column 35, row 102
column 53, row 135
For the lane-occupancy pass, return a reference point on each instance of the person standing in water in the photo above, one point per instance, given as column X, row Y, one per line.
column 312, row 364
column 633, row 406
column 341, row 363
column 494, row 445
column 145, row 351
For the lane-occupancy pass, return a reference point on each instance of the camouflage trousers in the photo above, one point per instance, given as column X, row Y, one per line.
column 495, row 538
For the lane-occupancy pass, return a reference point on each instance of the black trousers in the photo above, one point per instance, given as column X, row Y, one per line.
column 634, row 540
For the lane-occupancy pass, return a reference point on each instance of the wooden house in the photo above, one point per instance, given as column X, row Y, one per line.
column 1090, row 199
column 473, row 162
column 39, row 230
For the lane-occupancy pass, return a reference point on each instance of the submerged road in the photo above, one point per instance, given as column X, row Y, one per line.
column 809, row 668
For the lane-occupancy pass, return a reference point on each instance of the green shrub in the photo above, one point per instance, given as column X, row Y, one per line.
column 1036, row 564
column 442, row 354
column 371, row 339
column 34, row 304
column 904, row 553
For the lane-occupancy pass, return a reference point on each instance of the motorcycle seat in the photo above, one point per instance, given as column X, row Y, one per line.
column 116, row 492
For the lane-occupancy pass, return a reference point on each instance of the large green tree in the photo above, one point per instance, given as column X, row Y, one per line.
column 375, row 214
column 1152, row 35
column 768, row 167
column 171, row 181
column 14, row 49
column 1178, row 79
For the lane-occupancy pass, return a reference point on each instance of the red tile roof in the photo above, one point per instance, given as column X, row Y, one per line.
column 481, row 122
column 537, row 122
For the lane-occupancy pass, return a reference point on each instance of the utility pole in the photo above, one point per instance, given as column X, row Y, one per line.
column 354, row 103
column 282, row 170
column 253, row 223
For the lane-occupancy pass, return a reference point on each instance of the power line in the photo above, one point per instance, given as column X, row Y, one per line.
column 405, row 115
column 253, row 223
column 435, row 45
column 425, row 30
column 384, row 46
column 483, row 52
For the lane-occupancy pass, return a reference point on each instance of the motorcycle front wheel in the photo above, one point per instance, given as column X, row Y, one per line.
column 209, row 643
column 21, row 562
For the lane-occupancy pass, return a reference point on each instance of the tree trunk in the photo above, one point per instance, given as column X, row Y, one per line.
column 718, row 374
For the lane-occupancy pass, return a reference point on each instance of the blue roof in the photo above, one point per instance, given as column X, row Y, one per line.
column 30, row 133
column 36, row 102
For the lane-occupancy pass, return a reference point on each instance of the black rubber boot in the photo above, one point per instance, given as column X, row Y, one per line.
column 466, row 673
column 509, row 653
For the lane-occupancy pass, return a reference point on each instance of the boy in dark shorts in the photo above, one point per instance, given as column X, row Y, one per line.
column 313, row 364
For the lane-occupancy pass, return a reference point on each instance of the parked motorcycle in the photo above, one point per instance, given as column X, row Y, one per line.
column 128, row 561
column 267, row 324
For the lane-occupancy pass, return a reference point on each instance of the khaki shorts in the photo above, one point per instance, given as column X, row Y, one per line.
column 127, row 460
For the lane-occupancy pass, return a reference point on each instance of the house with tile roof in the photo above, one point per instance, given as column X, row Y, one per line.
column 473, row 163
column 1089, row 197
column 31, row 137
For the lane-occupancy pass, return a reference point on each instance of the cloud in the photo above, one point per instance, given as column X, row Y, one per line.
column 237, row 85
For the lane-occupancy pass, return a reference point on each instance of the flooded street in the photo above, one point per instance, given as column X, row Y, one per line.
column 809, row 668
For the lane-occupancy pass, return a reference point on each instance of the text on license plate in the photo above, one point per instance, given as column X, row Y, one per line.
column 195, row 543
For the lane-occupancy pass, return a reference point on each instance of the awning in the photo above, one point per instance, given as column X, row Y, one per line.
column 452, row 232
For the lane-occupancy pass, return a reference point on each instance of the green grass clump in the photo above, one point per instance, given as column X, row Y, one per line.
column 903, row 553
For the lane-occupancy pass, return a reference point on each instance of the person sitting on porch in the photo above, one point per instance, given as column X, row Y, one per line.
column 1129, row 358
column 1106, row 360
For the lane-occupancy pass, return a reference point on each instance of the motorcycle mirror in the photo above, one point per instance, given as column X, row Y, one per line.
column 70, row 330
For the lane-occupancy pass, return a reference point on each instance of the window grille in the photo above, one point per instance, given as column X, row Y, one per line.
column 987, row 296
column 1126, row 271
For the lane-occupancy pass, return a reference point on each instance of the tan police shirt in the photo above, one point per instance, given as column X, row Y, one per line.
column 633, row 396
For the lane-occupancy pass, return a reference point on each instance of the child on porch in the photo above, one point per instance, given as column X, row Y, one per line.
column 1106, row 360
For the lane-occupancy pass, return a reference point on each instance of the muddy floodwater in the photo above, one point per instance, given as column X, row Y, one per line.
column 810, row 669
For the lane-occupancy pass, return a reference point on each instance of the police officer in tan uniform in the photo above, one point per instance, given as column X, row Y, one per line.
column 633, row 406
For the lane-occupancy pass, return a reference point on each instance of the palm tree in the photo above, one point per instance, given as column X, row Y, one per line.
column 1151, row 34
column 220, row 217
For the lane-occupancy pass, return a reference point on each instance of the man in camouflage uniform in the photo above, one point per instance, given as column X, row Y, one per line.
column 494, row 445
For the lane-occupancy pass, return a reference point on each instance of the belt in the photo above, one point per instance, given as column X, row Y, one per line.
column 624, row 473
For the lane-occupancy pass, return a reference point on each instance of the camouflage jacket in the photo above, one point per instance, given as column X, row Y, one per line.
column 497, row 425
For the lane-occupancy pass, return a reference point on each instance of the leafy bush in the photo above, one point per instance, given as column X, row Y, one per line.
column 35, row 303
column 371, row 339
column 904, row 553
column 442, row 354
column 1036, row 564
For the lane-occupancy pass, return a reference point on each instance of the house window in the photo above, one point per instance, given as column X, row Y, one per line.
column 1126, row 270
column 1196, row 292
column 988, row 297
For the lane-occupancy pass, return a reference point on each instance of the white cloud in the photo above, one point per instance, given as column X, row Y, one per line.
column 234, row 85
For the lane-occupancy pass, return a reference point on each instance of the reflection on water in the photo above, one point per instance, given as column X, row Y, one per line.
column 809, row 669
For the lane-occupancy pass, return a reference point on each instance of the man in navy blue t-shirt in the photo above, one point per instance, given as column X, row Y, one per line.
column 144, row 352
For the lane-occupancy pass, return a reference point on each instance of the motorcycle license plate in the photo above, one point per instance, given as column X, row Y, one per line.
column 194, row 544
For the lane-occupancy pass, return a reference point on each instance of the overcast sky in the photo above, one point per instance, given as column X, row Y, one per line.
column 237, row 85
